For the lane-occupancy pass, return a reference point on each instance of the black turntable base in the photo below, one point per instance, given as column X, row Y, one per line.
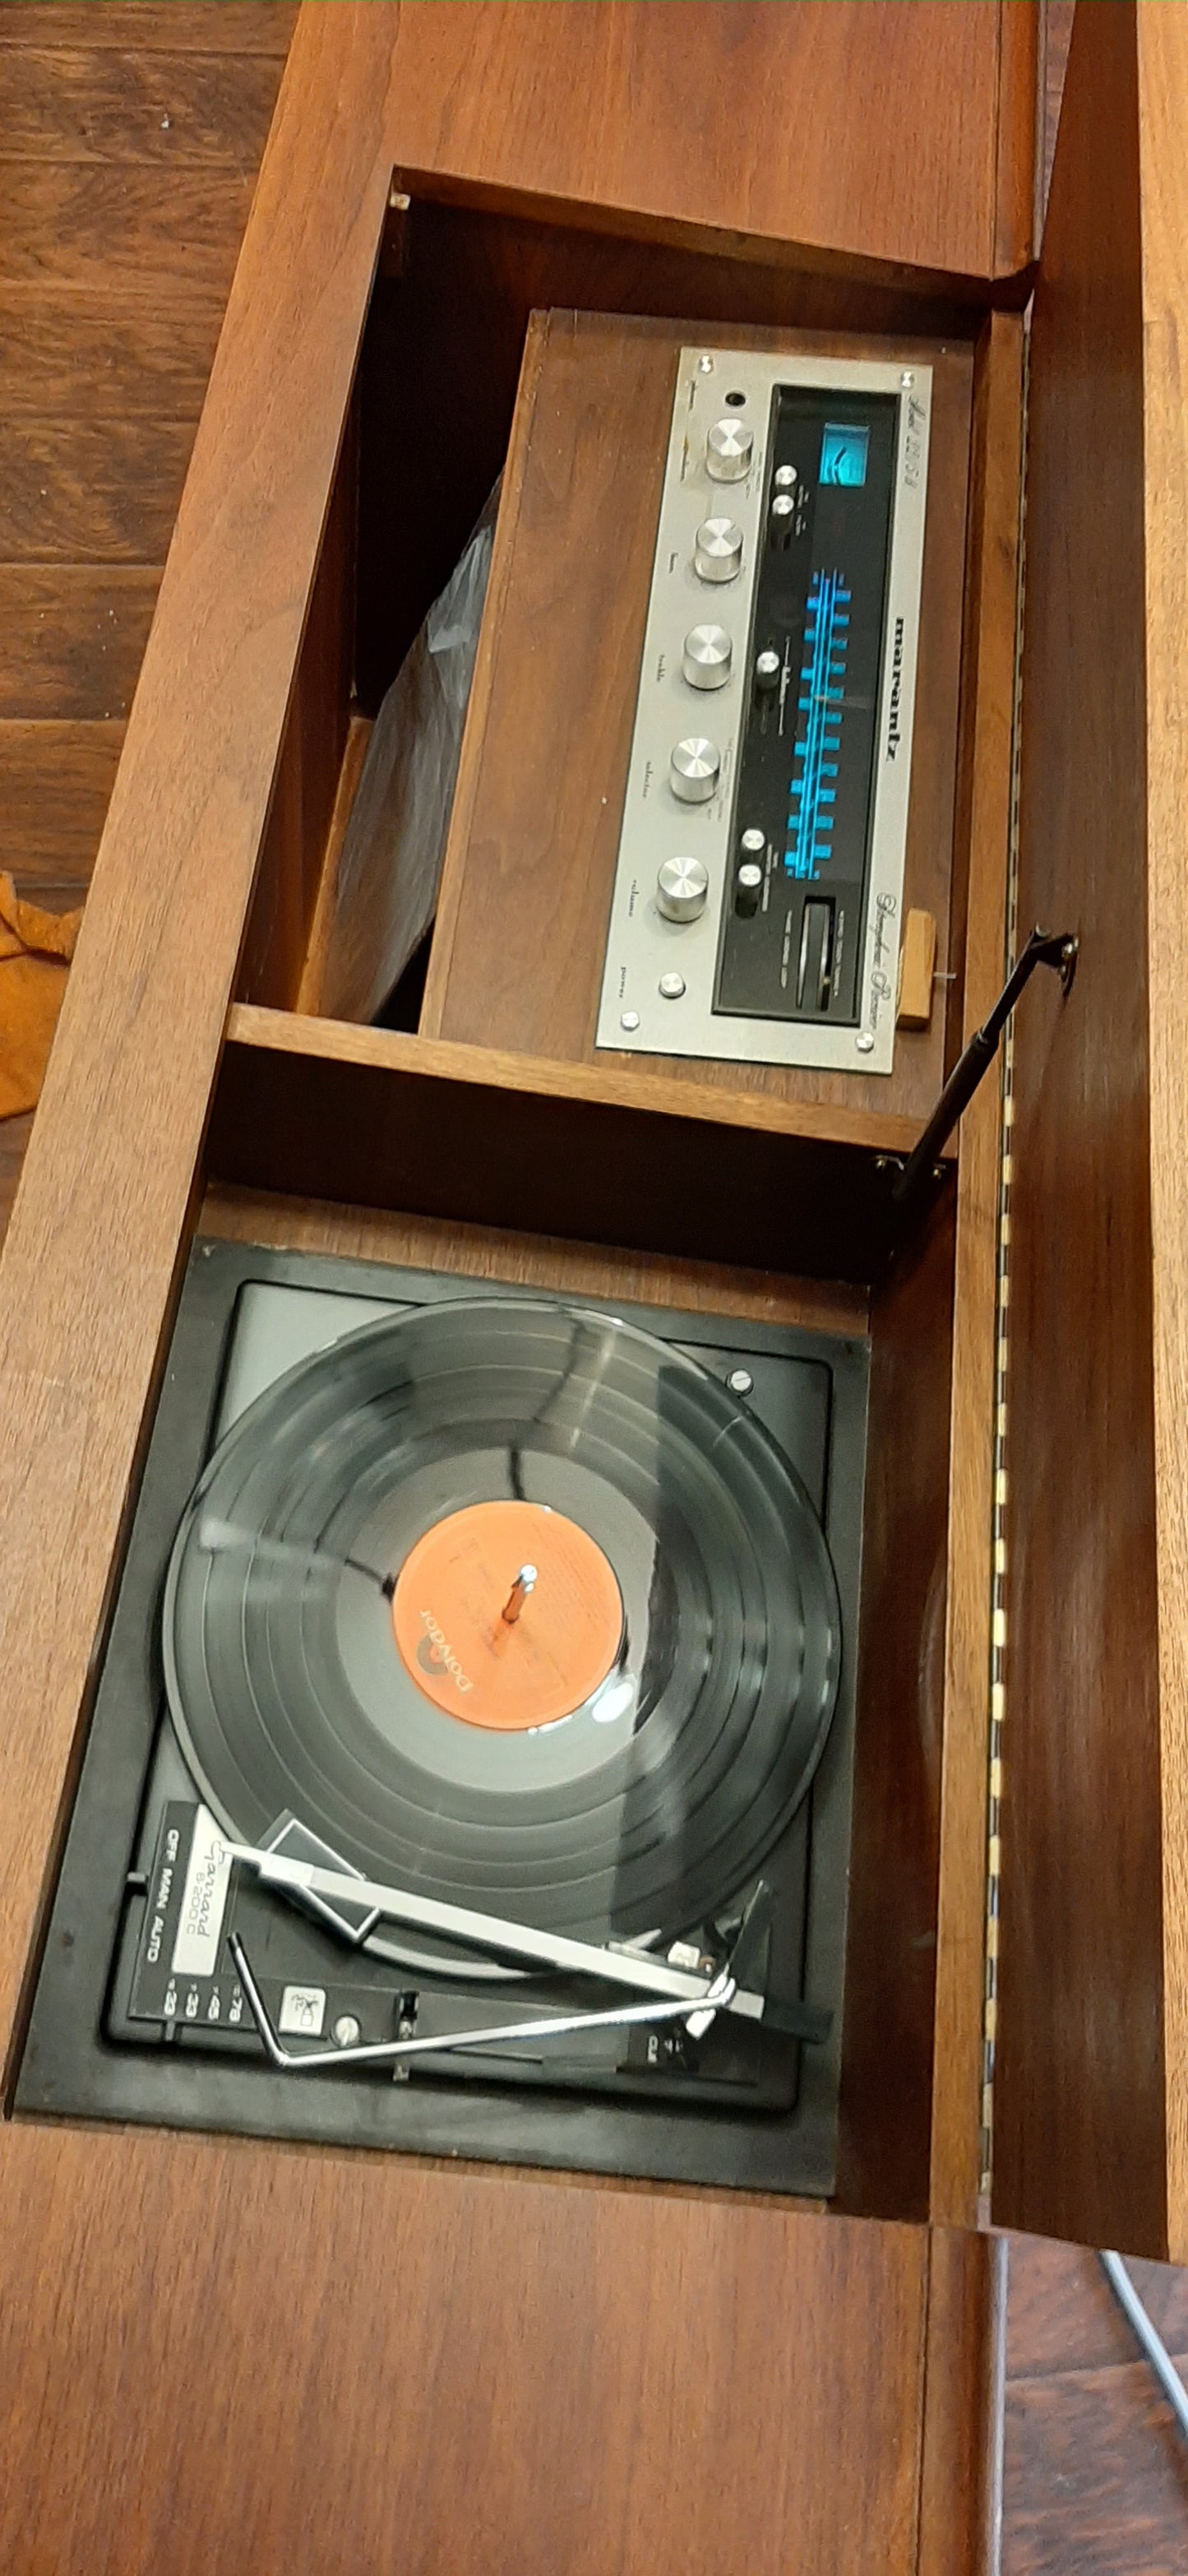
column 471, row 1763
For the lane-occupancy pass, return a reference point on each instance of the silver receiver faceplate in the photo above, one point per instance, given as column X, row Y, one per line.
column 708, row 660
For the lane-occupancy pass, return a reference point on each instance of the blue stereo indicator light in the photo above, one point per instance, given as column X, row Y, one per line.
column 843, row 453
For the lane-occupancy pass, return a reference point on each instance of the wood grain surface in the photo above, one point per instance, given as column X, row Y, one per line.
column 176, row 26
column 148, row 992
column 775, row 124
column 887, row 2073
column 101, row 382
column 535, row 827
column 1096, row 2471
column 57, row 783
column 467, row 279
column 474, row 2371
column 1162, row 86
column 1080, row 2132
column 538, row 2369
column 321, row 1109
column 534, row 1261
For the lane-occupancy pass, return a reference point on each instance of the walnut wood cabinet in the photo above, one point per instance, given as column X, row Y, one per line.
column 215, row 2351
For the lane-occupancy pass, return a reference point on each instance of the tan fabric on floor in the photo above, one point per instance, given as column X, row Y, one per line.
column 35, row 951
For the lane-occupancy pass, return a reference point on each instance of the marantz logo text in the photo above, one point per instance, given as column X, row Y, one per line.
column 434, row 1656
column 893, row 733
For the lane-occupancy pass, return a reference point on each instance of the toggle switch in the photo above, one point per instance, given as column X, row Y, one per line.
column 782, row 521
column 748, row 886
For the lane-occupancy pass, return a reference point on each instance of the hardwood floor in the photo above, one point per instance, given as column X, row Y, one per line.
column 1096, row 2474
column 129, row 142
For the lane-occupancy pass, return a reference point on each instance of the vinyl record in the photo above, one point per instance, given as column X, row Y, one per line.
column 515, row 1605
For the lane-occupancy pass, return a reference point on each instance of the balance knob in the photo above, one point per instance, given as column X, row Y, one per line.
column 717, row 550
column 681, row 889
column 706, row 657
column 728, row 451
column 693, row 769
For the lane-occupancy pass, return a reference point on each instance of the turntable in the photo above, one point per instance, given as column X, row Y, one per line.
column 472, row 1763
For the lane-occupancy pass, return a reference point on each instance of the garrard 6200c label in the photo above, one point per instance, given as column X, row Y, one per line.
column 759, row 881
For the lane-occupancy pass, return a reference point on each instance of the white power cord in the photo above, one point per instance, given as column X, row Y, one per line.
column 1148, row 2336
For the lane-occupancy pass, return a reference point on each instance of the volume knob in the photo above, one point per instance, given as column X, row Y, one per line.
column 693, row 769
column 717, row 550
column 706, row 657
column 728, row 451
column 681, row 889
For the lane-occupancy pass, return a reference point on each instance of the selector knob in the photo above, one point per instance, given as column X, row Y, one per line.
column 693, row 769
column 748, row 886
column 717, row 550
column 767, row 669
column 681, row 889
column 728, row 451
column 706, row 657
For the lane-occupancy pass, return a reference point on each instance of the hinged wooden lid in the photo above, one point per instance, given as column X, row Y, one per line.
column 1093, row 2006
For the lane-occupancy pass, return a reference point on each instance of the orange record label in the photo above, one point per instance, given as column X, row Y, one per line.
column 507, row 1615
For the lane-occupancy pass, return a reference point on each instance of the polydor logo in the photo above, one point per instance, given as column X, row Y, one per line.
column 434, row 1655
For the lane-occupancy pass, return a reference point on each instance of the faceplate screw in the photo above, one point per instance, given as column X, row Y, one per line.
column 347, row 2031
column 864, row 1042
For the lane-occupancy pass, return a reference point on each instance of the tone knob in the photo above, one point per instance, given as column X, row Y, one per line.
column 728, row 451
column 681, row 889
column 717, row 550
column 693, row 769
column 706, row 657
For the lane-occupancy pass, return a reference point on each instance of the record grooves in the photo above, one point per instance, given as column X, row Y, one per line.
column 515, row 1609
column 643, row 1806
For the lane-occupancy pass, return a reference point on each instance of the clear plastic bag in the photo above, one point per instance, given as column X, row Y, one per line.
column 395, row 838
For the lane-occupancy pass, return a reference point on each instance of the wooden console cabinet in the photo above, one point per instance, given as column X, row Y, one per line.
column 215, row 2353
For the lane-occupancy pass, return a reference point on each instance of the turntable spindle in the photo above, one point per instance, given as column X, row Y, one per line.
column 524, row 1583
